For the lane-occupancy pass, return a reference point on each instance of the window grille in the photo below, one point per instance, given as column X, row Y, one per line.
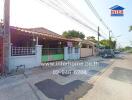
column 22, row 51
column 52, row 51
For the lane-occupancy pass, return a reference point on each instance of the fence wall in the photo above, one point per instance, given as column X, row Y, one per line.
column 71, row 53
column 25, row 57
column 85, row 52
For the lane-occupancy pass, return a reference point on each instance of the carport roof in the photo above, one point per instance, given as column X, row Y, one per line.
column 42, row 32
column 45, row 33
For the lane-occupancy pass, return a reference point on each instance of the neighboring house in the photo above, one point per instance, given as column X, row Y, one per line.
column 88, row 48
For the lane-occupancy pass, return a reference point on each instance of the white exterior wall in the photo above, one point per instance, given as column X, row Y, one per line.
column 29, row 61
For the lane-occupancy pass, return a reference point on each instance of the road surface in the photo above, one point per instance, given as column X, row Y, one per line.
column 110, row 79
column 115, row 83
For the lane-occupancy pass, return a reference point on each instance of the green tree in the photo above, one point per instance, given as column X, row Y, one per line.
column 130, row 28
column 108, row 43
column 73, row 34
column 105, row 43
column 92, row 38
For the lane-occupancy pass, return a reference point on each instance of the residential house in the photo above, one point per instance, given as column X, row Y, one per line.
column 33, row 46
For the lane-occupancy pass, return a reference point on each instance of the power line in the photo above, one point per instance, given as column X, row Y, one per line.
column 90, row 5
column 78, row 12
column 72, row 7
column 69, row 14
column 52, row 6
column 71, row 10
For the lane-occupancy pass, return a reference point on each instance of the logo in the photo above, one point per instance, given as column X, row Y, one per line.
column 117, row 11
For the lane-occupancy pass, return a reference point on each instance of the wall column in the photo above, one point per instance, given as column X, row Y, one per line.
column 38, row 54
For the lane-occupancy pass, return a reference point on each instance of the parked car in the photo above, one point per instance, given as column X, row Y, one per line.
column 116, row 51
column 108, row 53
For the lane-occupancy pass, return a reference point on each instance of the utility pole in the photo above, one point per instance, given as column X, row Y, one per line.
column 98, row 36
column 109, row 39
column 6, row 35
column 98, row 39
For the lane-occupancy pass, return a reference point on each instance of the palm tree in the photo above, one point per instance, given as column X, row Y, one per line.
column 130, row 28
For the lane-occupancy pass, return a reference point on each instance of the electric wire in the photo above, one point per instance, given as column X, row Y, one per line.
column 63, row 11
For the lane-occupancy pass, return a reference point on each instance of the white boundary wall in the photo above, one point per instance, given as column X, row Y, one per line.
column 72, row 55
column 29, row 60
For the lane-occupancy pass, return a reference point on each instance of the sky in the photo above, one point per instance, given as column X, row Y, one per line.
column 33, row 13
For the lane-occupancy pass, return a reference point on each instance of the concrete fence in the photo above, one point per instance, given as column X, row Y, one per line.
column 71, row 53
column 85, row 52
column 28, row 60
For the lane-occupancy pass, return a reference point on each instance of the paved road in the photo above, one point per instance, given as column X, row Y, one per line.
column 115, row 83
column 44, row 85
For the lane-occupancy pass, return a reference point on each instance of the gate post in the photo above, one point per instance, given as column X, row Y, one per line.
column 65, row 53
column 38, row 54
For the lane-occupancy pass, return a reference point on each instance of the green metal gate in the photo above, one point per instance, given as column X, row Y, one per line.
column 52, row 54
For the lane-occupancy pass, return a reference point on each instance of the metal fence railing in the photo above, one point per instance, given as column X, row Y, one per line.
column 52, row 51
column 70, row 50
column 22, row 51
